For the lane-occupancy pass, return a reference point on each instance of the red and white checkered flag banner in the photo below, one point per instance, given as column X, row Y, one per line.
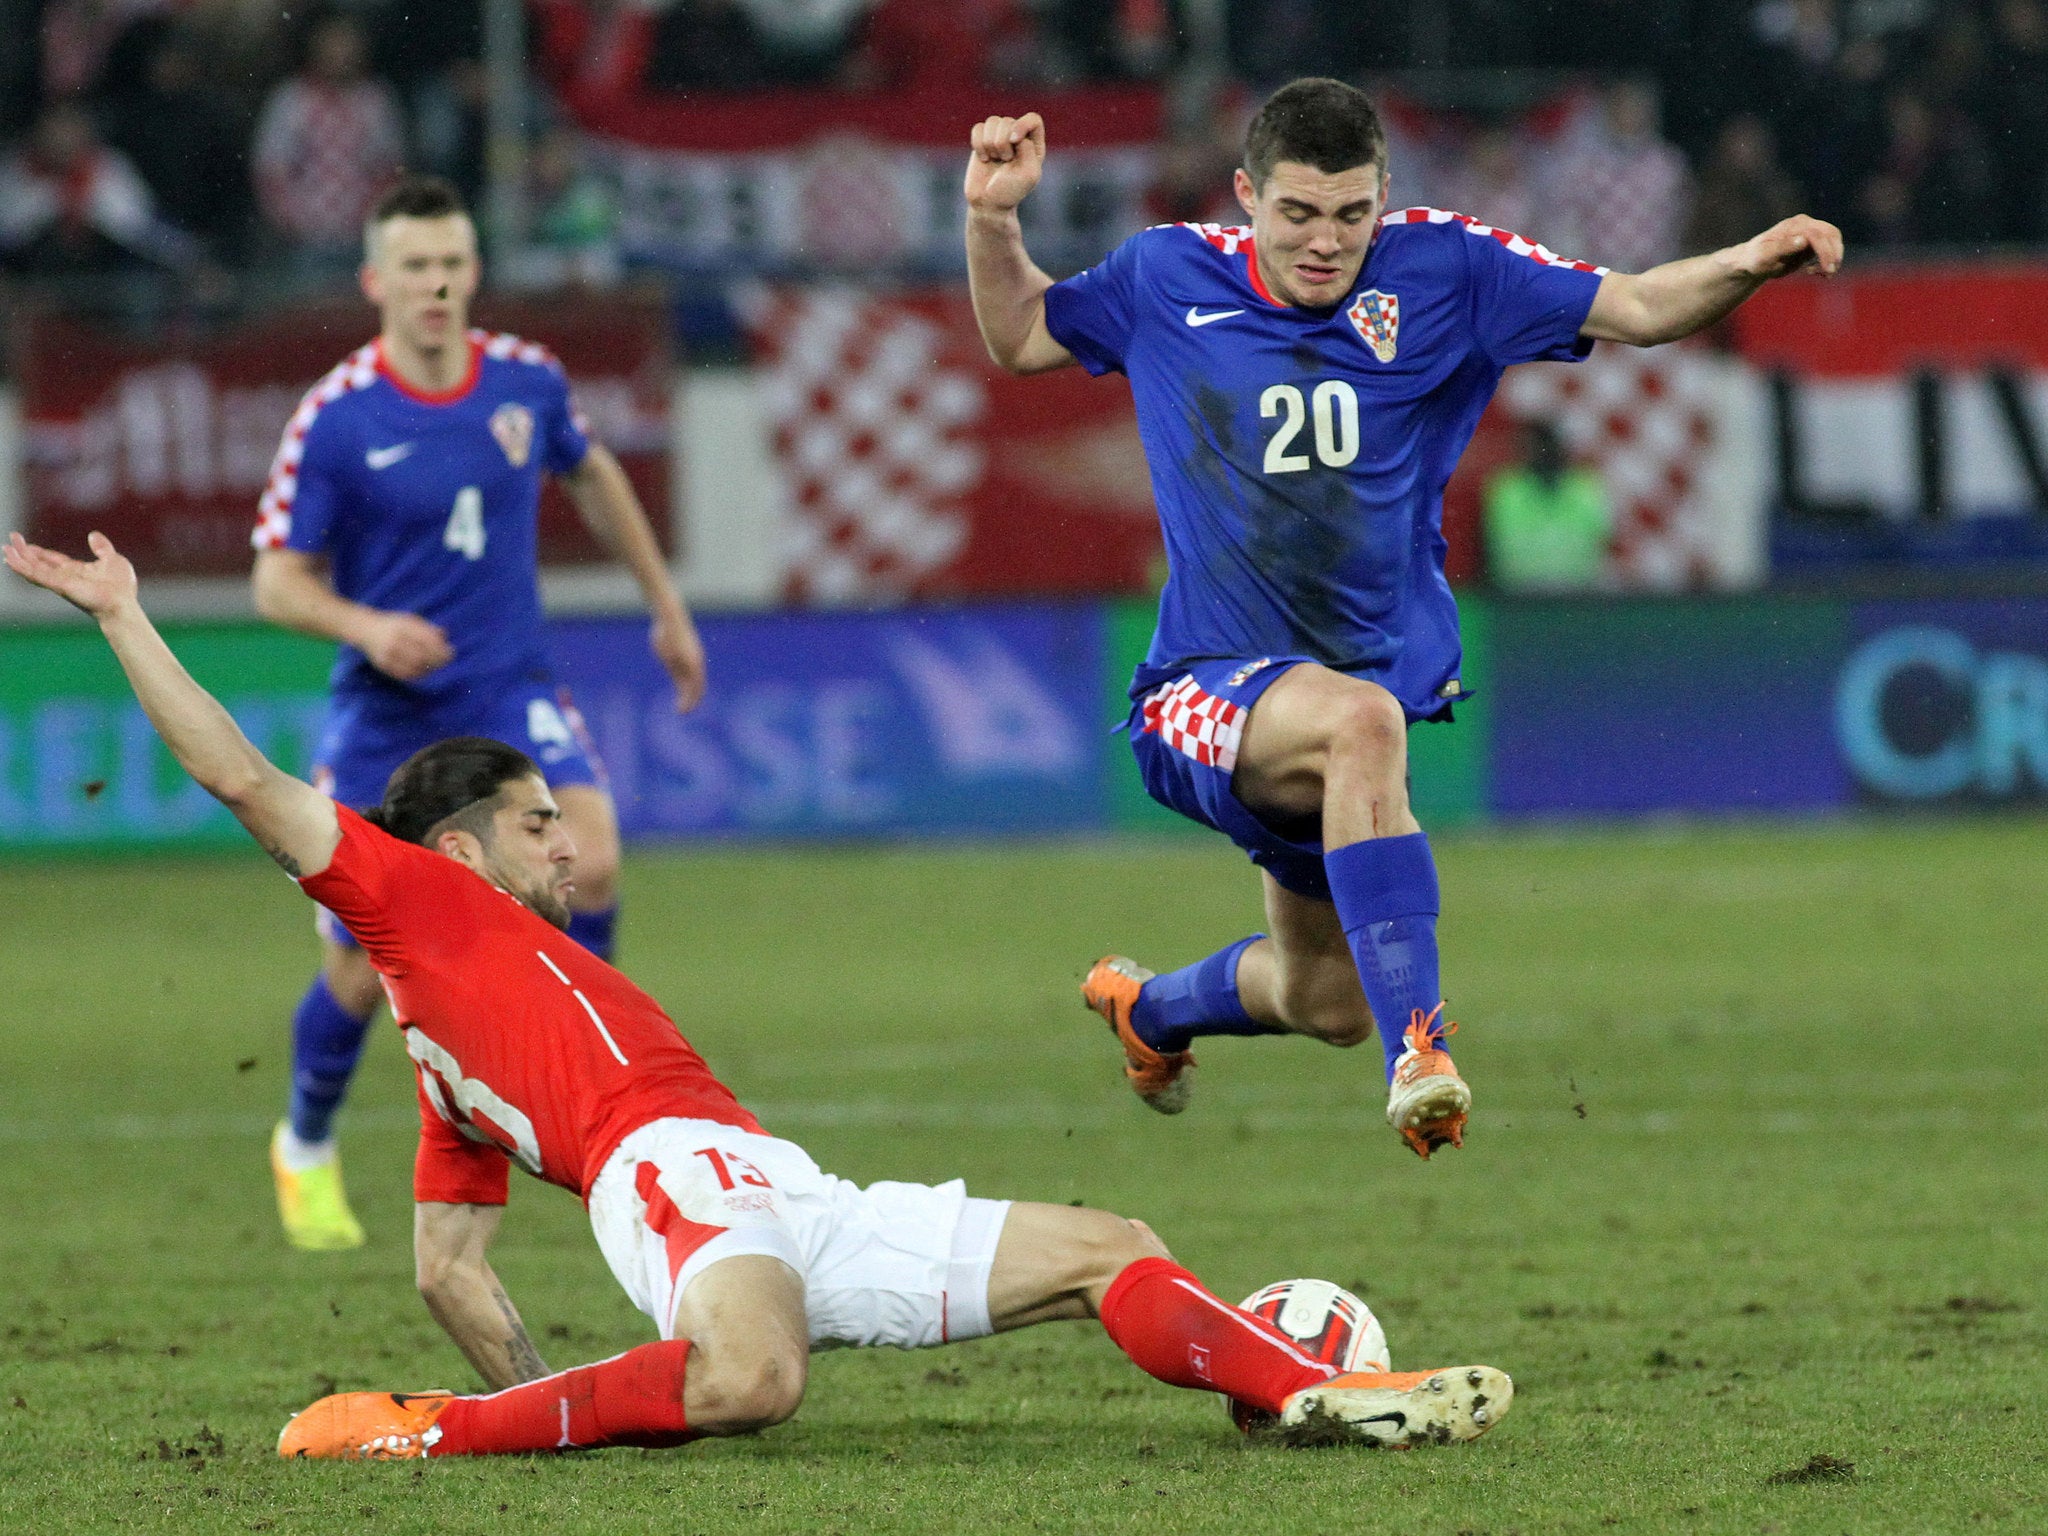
column 1674, row 432
column 872, row 427
column 911, row 466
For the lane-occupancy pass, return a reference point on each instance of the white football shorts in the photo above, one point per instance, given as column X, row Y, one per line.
column 899, row 1264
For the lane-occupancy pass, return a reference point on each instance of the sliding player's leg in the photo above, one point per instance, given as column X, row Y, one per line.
column 1321, row 744
column 735, row 1363
column 328, row 1029
column 1056, row 1261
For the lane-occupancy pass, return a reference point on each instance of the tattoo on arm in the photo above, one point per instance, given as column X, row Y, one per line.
column 519, row 1348
column 285, row 861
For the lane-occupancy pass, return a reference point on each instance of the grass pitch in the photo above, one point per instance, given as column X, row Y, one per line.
column 1752, row 1207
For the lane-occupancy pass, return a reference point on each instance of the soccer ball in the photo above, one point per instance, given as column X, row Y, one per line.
column 1326, row 1322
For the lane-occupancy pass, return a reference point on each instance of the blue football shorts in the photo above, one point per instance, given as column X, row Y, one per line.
column 1185, row 735
column 367, row 735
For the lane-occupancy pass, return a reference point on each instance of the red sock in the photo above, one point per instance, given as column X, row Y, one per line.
column 1174, row 1329
column 631, row 1399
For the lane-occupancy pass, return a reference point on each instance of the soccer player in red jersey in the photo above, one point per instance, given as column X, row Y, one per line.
column 744, row 1254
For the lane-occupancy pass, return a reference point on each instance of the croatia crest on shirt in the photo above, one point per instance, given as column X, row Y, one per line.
column 1378, row 318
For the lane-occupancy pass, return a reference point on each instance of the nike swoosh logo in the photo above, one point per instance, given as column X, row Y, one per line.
column 384, row 458
column 1210, row 319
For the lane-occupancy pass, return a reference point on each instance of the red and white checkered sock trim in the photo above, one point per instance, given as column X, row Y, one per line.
column 1196, row 723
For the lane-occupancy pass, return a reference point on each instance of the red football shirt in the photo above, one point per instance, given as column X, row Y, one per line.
column 528, row 1046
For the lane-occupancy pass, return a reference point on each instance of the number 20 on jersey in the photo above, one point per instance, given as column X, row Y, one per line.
column 1334, row 406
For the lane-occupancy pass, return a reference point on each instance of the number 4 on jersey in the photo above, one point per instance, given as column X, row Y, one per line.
column 465, row 531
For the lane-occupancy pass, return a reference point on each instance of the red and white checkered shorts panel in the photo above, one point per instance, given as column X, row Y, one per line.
column 1195, row 723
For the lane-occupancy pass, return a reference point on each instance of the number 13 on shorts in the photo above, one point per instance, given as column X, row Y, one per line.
column 732, row 1169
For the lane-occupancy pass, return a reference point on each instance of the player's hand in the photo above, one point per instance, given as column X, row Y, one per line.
column 98, row 586
column 405, row 646
column 1008, row 156
column 1793, row 245
column 676, row 646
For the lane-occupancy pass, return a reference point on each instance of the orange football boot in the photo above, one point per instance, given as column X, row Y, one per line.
column 1163, row 1079
column 366, row 1426
column 1427, row 1101
column 1398, row 1408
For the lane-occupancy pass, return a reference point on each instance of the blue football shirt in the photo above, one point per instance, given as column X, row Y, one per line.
column 1299, row 456
column 429, row 504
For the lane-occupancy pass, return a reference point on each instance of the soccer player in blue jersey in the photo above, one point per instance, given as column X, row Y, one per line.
column 401, row 520
column 1304, row 387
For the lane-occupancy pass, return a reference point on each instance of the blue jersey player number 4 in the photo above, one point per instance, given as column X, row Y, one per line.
column 401, row 519
column 1304, row 386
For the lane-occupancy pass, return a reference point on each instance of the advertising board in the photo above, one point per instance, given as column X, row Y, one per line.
column 996, row 719
column 80, row 766
column 972, row 720
column 1945, row 702
column 1639, row 706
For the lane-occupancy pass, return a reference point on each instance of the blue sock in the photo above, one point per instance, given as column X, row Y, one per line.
column 1386, row 895
column 595, row 930
column 327, row 1040
column 1198, row 999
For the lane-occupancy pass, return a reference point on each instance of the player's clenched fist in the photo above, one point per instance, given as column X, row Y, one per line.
column 1008, row 154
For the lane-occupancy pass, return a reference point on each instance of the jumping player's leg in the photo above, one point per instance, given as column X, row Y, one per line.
column 1303, row 979
column 1319, row 743
column 593, row 824
column 1299, row 979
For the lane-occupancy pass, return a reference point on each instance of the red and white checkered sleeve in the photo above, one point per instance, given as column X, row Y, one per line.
column 296, row 507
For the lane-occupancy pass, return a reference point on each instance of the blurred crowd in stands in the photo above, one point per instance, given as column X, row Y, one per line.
column 210, row 138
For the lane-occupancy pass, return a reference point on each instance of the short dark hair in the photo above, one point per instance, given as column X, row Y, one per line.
column 1318, row 121
column 417, row 197
column 438, row 784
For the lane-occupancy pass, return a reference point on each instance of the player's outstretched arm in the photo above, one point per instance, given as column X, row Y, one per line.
column 1006, row 157
column 291, row 589
column 294, row 822
column 449, row 1243
column 1682, row 297
column 608, row 505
